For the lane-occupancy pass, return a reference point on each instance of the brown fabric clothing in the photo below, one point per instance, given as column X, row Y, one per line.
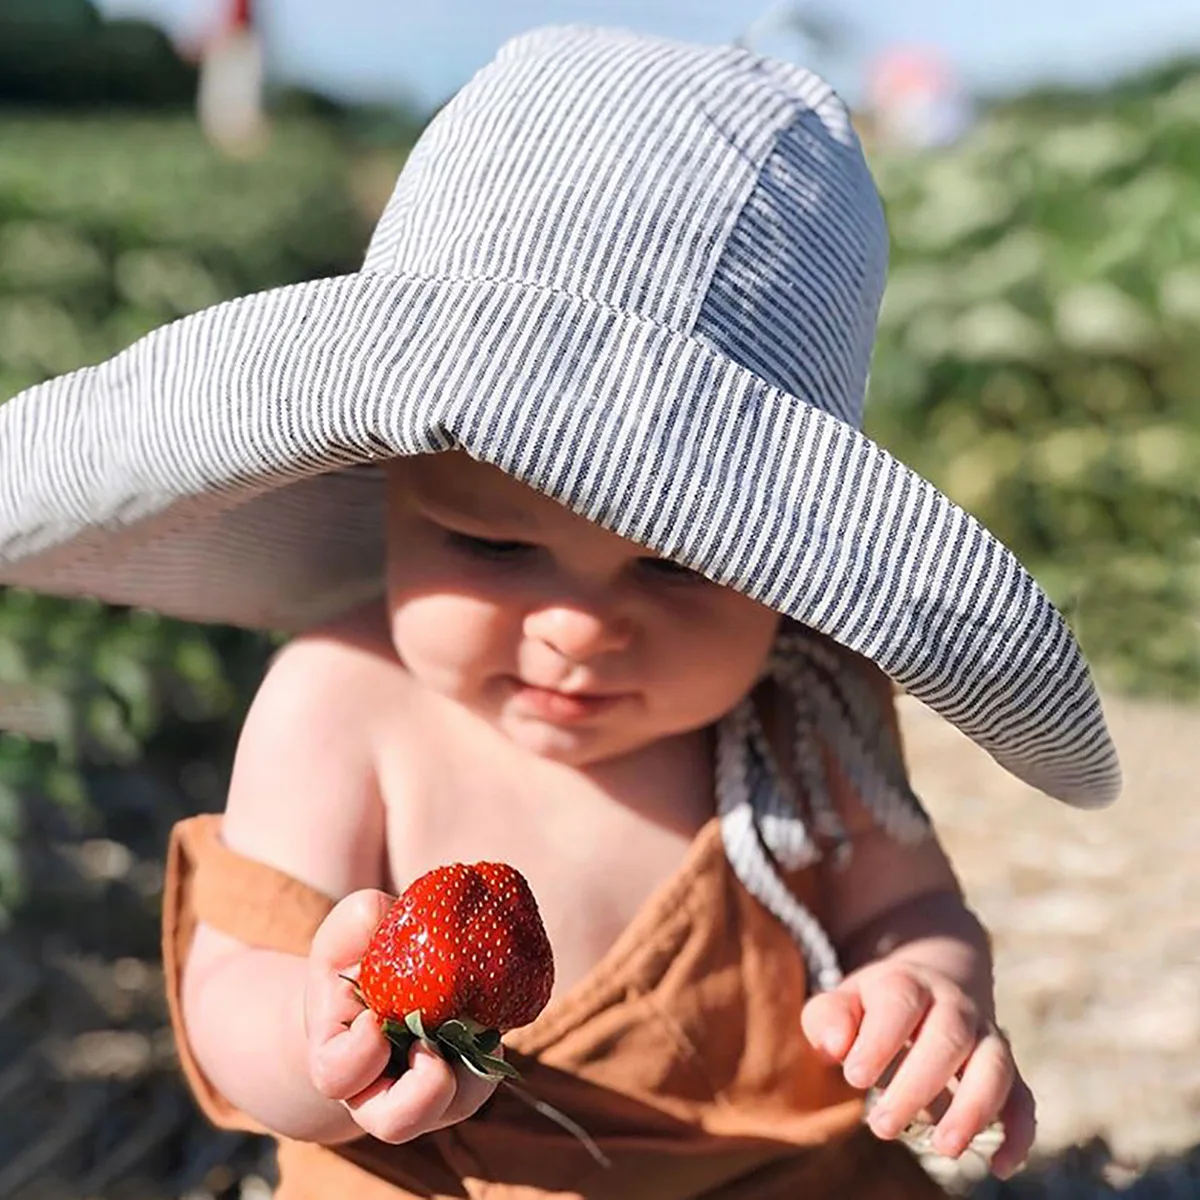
column 680, row 1053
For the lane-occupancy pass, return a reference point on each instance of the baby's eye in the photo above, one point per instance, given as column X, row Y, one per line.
column 481, row 547
column 664, row 568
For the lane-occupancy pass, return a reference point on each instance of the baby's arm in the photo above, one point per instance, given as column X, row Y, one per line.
column 918, row 969
column 267, row 1027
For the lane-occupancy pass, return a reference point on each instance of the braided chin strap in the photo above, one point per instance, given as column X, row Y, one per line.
column 775, row 816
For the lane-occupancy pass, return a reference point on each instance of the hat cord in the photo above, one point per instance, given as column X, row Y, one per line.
column 773, row 818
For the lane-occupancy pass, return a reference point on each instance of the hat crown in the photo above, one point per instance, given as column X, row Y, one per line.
column 707, row 190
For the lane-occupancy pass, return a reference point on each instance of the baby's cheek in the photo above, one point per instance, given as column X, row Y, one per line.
column 696, row 695
column 452, row 638
column 708, row 678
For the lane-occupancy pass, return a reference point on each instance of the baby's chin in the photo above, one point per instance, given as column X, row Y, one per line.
column 570, row 746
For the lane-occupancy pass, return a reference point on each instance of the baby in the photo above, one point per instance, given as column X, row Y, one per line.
column 629, row 627
column 538, row 690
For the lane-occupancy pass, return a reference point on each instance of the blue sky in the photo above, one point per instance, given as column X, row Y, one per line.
column 379, row 49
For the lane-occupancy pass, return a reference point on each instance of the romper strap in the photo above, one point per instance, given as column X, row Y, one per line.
column 248, row 900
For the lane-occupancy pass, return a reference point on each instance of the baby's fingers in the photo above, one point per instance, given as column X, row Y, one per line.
column 830, row 1021
column 398, row 1110
column 338, row 944
column 1019, row 1118
column 349, row 1060
column 987, row 1080
column 428, row 1096
column 347, row 1050
column 342, row 937
column 893, row 1006
column 945, row 1040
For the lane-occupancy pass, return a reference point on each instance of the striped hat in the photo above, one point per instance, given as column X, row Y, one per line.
column 638, row 275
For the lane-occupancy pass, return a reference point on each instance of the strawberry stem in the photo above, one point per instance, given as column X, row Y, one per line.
column 464, row 1041
column 561, row 1118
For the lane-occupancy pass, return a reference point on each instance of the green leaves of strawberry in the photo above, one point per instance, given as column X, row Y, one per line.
column 456, row 1041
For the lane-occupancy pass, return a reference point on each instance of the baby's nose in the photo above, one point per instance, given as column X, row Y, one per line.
column 577, row 632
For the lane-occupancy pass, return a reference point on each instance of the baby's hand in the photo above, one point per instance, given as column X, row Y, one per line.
column 348, row 1053
column 886, row 1007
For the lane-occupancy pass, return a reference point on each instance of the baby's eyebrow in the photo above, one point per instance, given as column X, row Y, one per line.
column 472, row 509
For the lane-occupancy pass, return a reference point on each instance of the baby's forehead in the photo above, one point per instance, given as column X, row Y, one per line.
column 454, row 480
column 454, row 485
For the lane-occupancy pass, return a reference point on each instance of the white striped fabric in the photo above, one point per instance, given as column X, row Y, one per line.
column 639, row 275
column 777, row 803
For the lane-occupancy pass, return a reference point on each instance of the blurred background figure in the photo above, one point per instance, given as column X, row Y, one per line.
column 915, row 98
column 229, row 101
column 1038, row 358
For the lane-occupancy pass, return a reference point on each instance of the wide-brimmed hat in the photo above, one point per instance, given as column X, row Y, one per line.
column 638, row 275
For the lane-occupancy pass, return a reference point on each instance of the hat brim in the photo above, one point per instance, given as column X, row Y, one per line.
column 220, row 470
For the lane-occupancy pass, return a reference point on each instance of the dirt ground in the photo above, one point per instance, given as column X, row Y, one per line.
column 1096, row 921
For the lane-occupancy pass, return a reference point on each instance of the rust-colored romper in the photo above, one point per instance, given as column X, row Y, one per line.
column 681, row 1053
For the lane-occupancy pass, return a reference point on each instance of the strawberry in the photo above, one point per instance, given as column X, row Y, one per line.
column 460, row 957
column 463, row 944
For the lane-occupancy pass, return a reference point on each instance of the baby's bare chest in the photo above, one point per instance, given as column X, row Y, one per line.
column 593, row 858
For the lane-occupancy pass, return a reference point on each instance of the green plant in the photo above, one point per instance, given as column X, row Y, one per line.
column 110, row 226
column 1038, row 354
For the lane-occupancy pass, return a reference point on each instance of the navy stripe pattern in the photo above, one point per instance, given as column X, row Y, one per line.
column 640, row 276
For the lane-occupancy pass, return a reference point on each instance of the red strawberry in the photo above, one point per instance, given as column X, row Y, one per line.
column 464, row 944
column 460, row 957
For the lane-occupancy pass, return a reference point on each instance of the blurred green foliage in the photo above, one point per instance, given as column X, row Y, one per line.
column 1039, row 356
column 109, row 227
column 63, row 52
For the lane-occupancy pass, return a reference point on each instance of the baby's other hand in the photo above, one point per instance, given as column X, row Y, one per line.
column 348, row 1052
column 889, row 1009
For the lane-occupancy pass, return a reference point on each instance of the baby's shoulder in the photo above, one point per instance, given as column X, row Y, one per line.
column 338, row 673
column 304, row 792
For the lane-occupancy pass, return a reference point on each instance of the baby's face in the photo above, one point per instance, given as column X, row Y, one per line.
column 575, row 643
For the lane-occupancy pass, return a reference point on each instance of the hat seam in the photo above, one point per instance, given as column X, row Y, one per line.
column 796, row 108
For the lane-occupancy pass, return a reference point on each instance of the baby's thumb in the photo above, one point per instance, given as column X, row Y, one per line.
column 331, row 1001
column 342, row 937
column 830, row 1021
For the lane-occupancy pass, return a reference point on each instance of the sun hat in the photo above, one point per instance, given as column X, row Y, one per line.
column 639, row 275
